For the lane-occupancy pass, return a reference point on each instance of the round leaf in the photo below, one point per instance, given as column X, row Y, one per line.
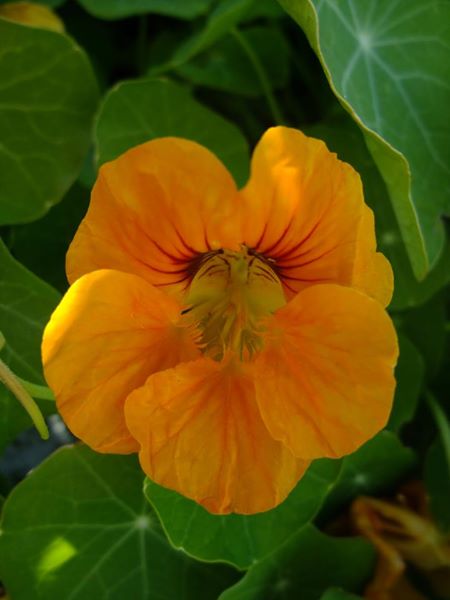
column 305, row 567
column 48, row 96
column 238, row 539
column 389, row 65
column 137, row 111
column 78, row 527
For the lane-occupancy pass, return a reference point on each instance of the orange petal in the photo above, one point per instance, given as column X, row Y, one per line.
column 153, row 210
column 109, row 333
column 372, row 272
column 201, row 434
column 302, row 207
column 326, row 379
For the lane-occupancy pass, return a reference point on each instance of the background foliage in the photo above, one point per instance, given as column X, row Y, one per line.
column 371, row 78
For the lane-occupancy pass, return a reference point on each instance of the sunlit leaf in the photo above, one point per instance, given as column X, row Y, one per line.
column 389, row 64
column 78, row 527
column 48, row 95
column 137, row 111
column 241, row 540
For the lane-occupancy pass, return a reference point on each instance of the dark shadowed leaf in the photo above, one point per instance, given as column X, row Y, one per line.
column 437, row 481
column 118, row 9
column 42, row 245
column 305, row 567
column 376, row 467
column 409, row 374
column 229, row 66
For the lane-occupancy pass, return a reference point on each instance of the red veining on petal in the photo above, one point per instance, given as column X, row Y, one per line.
column 288, row 253
column 171, row 256
column 183, row 241
column 271, row 249
column 261, row 237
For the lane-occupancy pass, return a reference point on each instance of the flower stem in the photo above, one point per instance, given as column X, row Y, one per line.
column 15, row 385
column 262, row 76
column 41, row 392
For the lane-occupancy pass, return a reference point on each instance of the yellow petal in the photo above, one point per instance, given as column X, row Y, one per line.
column 109, row 333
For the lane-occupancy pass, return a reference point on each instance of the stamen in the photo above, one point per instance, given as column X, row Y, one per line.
column 228, row 298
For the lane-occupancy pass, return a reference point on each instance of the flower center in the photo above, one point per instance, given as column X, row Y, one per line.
column 228, row 299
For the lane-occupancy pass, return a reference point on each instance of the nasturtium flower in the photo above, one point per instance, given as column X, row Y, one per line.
column 228, row 336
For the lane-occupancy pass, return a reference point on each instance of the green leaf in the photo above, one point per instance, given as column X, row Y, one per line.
column 227, row 66
column 343, row 136
column 409, row 374
column 137, row 111
column 377, row 466
column 437, row 482
column 226, row 15
column 42, row 245
column 338, row 594
column 48, row 96
column 442, row 424
column 78, row 527
column 264, row 9
column 305, row 567
column 119, row 9
column 425, row 327
column 408, row 292
column 25, row 307
column 389, row 65
column 238, row 539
